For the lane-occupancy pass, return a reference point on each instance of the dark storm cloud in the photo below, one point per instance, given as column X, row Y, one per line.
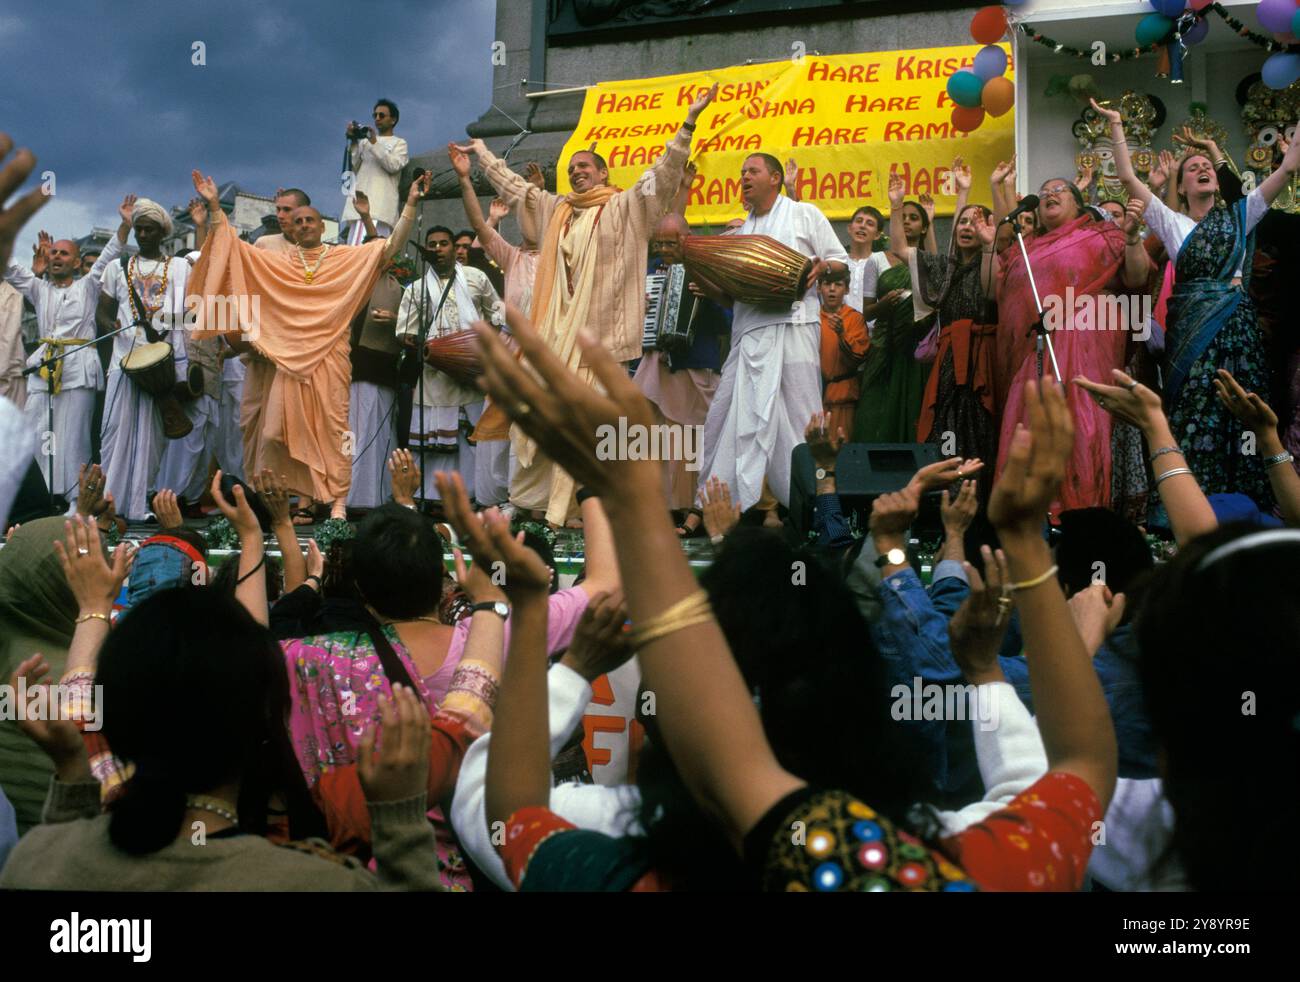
column 107, row 96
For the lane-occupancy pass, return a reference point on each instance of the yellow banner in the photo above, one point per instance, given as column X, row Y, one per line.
column 846, row 120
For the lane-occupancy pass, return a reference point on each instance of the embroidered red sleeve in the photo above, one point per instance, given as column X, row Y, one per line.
column 527, row 829
column 1040, row 842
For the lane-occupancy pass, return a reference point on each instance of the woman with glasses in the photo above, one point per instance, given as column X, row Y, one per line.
column 1212, row 321
column 1078, row 264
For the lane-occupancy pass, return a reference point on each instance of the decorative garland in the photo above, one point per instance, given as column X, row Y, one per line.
column 1237, row 26
column 1065, row 49
column 221, row 534
column 333, row 530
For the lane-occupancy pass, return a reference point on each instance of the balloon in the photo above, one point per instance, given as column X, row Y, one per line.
column 988, row 25
column 1281, row 69
column 1169, row 8
column 1295, row 23
column 999, row 96
column 990, row 62
column 1017, row 3
column 965, row 89
column 966, row 118
column 1276, row 15
column 1197, row 33
column 1153, row 28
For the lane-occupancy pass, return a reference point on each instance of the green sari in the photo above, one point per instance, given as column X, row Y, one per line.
column 893, row 381
column 37, row 614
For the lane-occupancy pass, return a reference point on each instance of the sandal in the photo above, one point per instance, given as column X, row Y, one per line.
column 686, row 531
column 303, row 516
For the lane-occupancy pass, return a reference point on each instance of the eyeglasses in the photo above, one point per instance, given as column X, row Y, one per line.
column 1055, row 191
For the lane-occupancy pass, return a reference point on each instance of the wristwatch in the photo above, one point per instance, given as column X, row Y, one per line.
column 823, row 473
column 894, row 557
column 498, row 607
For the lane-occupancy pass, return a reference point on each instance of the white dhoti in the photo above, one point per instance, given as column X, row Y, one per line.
column 131, row 445
column 443, row 419
column 69, row 444
column 230, row 439
column 492, row 472
column 185, row 462
column 770, row 388
column 371, row 415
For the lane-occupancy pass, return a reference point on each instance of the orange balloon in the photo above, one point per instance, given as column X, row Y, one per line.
column 988, row 25
column 967, row 118
column 999, row 96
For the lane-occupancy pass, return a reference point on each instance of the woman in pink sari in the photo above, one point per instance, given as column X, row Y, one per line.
column 1077, row 259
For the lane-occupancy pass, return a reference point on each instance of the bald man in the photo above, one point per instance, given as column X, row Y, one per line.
column 65, row 318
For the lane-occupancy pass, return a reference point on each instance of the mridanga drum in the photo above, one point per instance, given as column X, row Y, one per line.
column 754, row 269
column 456, row 354
column 151, row 367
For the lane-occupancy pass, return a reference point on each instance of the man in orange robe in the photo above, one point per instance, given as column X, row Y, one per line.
column 843, row 346
column 295, row 308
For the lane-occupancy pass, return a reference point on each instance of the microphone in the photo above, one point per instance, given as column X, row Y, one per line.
column 1029, row 203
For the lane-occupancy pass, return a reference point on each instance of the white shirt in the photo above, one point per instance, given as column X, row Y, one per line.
column 588, row 806
column 65, row 313
column 863, row 275
column 803, row 228
column 1173, row 227
column 378, row 167
column 170, row 318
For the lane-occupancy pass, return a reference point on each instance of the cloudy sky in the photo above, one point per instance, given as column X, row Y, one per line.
column 107, row 97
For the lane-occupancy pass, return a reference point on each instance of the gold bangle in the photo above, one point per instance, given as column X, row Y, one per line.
column 687, row 612
column 1036, row 581
column 95, row 616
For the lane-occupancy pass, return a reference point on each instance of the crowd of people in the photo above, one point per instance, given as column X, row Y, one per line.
column 1048, row 708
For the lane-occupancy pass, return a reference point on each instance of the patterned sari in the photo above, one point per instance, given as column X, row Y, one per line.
column 893, row 381
column 1212, row 325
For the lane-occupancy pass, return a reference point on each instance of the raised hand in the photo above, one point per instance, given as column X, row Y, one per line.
column 824, row 446
column 1000, row 172
column 961, row 174
column 91, row 579
column 1203, row 144
column 893, row 514
column 90, row 490
column 1247, row 407
column 419, row 188
column 206, row 188
column 198, row 212
column 719, row 514
column 791, row 177
column 1106, row 113
column 497, row 210
column 1132, row 223
column 976, row 631
column 927, row 203
column 239, row 512
column 701, row 103
column 474, row 145
column 360, row 203
column 1083, row 180
column 942, row 473
column 400, row 769
column 1096, row 613
column 561, row 412
column 534, row 176
column 405, row 474
column 459, row 160
column 600, row 639
column 15, row 216
column 958, row 512
column 59, row 739
column 275, row 495
column 897, row 190
column 126, row 207
column 166, row 510
column 1127, row 399
column 41, row 253
column 315, row 563
column 1035, row 468
column 984, row 228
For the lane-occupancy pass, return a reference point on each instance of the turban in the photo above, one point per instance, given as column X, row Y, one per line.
column 144, row 208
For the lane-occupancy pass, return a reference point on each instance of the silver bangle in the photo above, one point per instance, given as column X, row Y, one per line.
column 1285, row 457
column 717, row 539
column 1172, row 473
column 1164, row 450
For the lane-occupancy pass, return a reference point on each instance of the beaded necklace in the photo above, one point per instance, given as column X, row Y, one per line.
column 215, row 805
column 310, row 271
column 131, row 275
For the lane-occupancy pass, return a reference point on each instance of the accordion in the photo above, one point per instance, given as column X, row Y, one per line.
column 670, row 311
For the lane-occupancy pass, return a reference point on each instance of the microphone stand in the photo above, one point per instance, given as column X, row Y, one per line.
column 1038, row 328
column 49, row 402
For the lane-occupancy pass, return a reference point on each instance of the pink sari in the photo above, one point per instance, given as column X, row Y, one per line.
column 1085, row 255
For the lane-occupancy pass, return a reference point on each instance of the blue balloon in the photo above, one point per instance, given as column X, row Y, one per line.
column 1153, row 28
column 1295, row 22
column 1281, row 69
column 1197, row 34
column 1170, row 8
column 990, row 62
column 966, row 89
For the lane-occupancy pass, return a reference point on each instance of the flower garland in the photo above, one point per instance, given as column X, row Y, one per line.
column 1259, row 40
column 333, row 530
column 1113, row 57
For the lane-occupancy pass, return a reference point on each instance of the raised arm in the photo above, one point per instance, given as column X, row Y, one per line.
column 1137, row 262
column 402, row 230
column 1123, row 162
column 1189, row 510
column 95, row 582
column 717, row 742
column 15, row 216
column 250, row 584
column 468, row 197
column 1280, row 178
column 1259, row 418
column 897, row 237
column 961, row 179
column 275, row 495
column 659, row 185
column 517, row 191
column 1072, row 713
column 361, row 204
column 931, row 238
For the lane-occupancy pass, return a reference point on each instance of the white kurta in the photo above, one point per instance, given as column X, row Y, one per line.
column 863, row 275
column 12, row 384
column 131, row 439
column 771, row 382
column 444, row 400
column 378, row 168
column 64, row 313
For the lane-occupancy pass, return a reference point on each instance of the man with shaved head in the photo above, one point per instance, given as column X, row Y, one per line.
column 295, row 308
column 590, row 274
column 287, row 200
column 65, row 317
